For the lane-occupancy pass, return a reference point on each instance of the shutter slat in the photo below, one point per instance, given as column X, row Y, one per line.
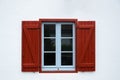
column 86, row 44
column 29, row 43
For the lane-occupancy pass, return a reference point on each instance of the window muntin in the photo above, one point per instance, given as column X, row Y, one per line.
column 59, row 46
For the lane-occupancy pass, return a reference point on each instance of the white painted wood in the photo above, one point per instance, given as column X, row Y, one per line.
column 58, row 51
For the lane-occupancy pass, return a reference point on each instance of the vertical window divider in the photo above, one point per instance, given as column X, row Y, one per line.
column 42, row 44
column 73, row 37
column 58, row 44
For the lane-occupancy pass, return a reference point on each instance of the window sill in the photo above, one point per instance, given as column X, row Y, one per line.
column 58, row 72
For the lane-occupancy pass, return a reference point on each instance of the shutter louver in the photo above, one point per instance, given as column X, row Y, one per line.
column 85, row 46
column 30, row 46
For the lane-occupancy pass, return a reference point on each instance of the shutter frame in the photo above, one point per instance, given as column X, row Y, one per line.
column 30, row 46
column 85, row 43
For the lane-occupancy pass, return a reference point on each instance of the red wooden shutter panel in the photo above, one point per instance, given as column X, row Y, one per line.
column 85, row 46
column 30, row 46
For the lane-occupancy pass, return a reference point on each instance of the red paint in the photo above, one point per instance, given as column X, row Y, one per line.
column 85, row 46
column 40, row 47
column 57, row 20
column 31, row 45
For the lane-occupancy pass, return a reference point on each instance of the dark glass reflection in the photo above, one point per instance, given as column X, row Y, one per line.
column 49, row 59
column 49, row 44
column 66, row 59
column 66, row 44
column 66, row 30
column 49, row 30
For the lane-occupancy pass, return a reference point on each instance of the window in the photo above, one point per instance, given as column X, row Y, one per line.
column 58, row 45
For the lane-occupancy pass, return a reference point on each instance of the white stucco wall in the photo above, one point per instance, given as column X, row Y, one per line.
column 106, row 13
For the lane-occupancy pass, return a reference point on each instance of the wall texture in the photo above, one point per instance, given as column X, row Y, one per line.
column 106, row 13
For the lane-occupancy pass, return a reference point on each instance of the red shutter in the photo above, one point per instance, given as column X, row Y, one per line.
column 85, row 46
column 30, row 46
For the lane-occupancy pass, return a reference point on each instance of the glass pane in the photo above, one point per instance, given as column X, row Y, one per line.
column 49, row 30
column 49, row 44
column 66, row 59
column 49, row 59
column 66, row 30
column 66, row 44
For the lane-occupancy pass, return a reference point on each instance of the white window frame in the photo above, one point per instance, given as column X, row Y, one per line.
column 58, row 38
